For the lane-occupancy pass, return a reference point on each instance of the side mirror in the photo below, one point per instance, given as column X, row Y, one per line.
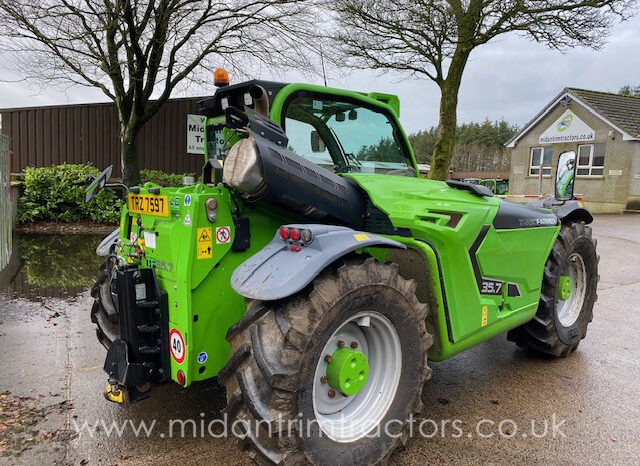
column 97, row 183
column 317, row 143
column 565, row 176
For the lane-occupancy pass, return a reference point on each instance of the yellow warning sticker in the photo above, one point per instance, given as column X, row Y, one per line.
column 485, row 315
column 360, row 237
column 204, row 246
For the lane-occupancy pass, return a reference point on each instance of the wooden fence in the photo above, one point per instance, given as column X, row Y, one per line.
column 6, row 206
column 43, row 136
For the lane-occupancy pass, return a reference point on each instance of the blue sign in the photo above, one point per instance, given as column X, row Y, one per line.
column 202, row 357
column 187, row 200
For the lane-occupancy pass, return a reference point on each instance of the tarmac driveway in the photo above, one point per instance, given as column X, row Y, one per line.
column 480, row 405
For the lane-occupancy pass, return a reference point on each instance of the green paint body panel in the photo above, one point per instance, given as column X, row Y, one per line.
column 444, row 224
column 200, row 287
column 514, row 255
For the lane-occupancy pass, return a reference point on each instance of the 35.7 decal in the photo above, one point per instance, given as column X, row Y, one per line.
column 176, row 346
column 490, row 287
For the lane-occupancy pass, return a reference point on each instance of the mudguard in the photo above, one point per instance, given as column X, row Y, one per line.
column 104, row 248
column 573, row 211
column 278, row 271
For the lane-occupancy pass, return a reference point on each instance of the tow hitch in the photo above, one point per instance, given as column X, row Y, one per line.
column 138, row 358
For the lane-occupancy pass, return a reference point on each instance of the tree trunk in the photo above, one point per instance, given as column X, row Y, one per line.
column 446, row 136
column 129, row 158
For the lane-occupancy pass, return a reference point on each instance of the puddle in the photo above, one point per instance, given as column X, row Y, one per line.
column 51, row 266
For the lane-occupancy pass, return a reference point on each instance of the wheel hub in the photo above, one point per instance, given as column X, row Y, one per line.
column 571, row 293
column 348, row 370
column 565, row 285
column 372, row 340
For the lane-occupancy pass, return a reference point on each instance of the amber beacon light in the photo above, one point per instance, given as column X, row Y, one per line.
column 221, row 77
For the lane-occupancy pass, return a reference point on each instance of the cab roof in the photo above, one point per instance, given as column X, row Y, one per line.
column 211, row 106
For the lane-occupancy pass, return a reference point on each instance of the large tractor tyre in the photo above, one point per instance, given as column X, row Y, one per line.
column 104, row 312
column 568, row 295
column 313, row 376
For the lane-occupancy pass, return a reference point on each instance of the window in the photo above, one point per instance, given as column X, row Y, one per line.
column 346, row 135
column 300, row 136
column 538, row 155
column 591, row 159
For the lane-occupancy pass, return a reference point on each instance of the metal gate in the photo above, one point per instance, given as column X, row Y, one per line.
column 6, row 214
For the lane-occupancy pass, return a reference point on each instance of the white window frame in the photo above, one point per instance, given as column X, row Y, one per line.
column 537, row 167
column 590, row 166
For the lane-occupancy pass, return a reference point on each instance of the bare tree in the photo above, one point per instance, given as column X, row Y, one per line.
column 630, row 90
column 135, row 49
column 434, row 38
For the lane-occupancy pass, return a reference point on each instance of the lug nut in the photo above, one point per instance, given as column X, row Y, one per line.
column 328, row 358
column 324, row 379
column 332, row 393
column 340, row 344
column 354, row 344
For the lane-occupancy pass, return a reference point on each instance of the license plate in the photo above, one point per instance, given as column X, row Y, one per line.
column 149, row 205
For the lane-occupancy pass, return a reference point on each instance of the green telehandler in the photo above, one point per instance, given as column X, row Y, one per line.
column 314, row 274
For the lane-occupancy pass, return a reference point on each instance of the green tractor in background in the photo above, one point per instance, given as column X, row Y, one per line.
column 314, row 274
column 497, row 186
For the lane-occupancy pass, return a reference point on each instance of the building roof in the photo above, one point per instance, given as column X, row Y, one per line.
column 619, row 111
column 624, row 110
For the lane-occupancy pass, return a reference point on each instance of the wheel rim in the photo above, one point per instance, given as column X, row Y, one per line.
column 348, row 418
column 573, row 276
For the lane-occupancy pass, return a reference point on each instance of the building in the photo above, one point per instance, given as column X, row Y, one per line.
column 603, row 129
column 89, row 133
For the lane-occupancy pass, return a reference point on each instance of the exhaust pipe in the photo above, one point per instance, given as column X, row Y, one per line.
column 260, row 99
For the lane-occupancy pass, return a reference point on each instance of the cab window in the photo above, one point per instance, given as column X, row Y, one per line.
column 346, row 136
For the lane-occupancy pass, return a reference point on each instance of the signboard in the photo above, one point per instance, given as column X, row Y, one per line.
column 567, row 128
column 615, row 172
column 195, row 134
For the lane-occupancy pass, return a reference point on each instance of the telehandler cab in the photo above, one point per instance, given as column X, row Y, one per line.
column 314, row 273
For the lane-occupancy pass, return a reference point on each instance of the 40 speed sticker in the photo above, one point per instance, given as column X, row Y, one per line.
column 176, row 345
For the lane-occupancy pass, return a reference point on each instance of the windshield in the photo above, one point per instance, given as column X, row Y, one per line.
column 346, row 136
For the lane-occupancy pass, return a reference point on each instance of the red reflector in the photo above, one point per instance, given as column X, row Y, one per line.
column 180, row 377
column 295, row 234
column 284, row 233
column 295, row 248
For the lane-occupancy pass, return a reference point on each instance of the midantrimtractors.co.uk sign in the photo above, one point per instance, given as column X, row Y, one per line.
column 567, row 128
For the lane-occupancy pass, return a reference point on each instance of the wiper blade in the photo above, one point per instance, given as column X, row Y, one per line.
column 345, row 156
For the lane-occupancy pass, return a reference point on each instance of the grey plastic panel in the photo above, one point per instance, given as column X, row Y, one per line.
column 277, row 272
column 573, row 210
column 104, row 247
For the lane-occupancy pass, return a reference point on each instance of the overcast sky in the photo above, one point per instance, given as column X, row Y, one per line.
column 510, row 78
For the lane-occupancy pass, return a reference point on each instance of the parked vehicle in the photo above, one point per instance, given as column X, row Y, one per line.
column 497, row 186
column 314, row 273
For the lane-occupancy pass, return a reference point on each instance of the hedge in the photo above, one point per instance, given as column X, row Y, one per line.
column 162, row 178
column 57, row 193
